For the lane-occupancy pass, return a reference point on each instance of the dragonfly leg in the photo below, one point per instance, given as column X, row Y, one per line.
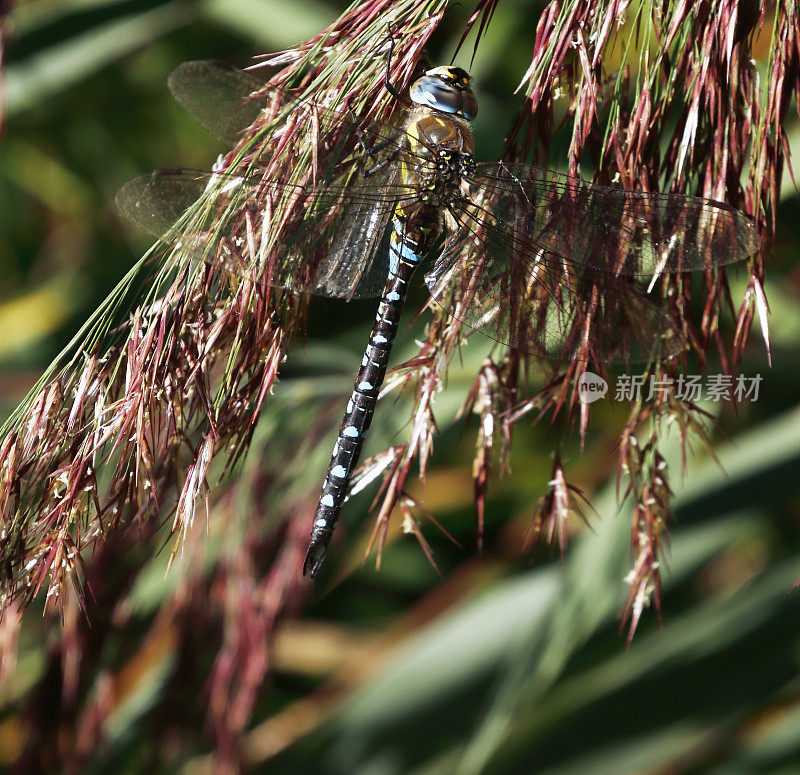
column 371, row 150
column 368, row 172
column 387, row 78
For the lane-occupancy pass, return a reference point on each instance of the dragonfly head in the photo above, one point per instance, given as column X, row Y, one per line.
column 446, row 89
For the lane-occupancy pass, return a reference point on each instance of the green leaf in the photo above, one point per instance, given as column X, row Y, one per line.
column 32, row 80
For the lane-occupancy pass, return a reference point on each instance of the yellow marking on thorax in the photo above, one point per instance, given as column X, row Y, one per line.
column 425, row 132
column 428, row 128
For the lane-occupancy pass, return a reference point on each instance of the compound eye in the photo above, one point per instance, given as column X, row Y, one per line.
column 435, row 93
column 469, row 105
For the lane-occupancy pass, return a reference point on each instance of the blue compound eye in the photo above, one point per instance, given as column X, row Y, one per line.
column 432, row 92
column 469, row 106
column 435, row 92
column 446, row 89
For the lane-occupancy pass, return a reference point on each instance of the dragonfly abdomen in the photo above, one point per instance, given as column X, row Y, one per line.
column 404, row 256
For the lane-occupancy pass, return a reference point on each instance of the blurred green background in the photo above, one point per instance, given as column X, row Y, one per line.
column 503, row 663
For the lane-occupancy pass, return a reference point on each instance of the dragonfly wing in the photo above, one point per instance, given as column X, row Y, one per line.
column 356, row 263
column 226, row 101
column 307, row 219
column 500, row 282
column 612, row 230
column 341, row 234
column 220, row 97
column 155, row 202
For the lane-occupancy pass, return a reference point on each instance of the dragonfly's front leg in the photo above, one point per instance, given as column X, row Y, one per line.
column 377, row 167
column 369, row 151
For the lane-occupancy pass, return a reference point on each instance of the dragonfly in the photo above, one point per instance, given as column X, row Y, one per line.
column 546, row 263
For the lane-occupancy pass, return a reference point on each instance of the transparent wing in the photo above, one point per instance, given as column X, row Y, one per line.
column 498, row 281
column 341, row 234
column 227, row 101
column 221, row 98
column 614, row 231
column 549, row 263
column 355, row 263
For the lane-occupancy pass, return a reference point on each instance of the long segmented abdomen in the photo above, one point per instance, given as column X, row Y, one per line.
column 404, row 256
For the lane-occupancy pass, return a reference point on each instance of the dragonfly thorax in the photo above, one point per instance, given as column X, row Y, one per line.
column 440, row 181
column 454, row 165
